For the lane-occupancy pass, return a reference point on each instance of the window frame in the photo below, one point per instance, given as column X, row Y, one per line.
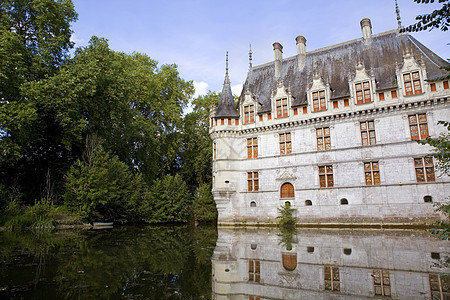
column 364, row 89
column 287, row 191
column 252, row 182
column 381, row 279
column 254, row 270
column 368, row 136
column 424, row 169
column 437, row 280
column 252, row 147
column 319, row 97
column 372, row 173
column 281, row 107
column 323, row 138
column 410, row 82
column 332, row 282
column 421, row 132
column 249, row 113
column 285, row 143
column 326, row 178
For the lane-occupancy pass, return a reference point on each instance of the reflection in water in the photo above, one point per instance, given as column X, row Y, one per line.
column 172, row 262
column 329, row 264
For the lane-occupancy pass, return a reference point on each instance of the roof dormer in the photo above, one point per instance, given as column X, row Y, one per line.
column 362, row 86
column 318, row 94
column 411, row 75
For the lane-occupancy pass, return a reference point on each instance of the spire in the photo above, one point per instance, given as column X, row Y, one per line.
column 226, row 106
column 250, row 58
column 397, row 10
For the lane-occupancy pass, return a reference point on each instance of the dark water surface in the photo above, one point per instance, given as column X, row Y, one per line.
column 187, row 262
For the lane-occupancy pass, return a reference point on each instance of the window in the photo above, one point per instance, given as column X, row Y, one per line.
column 295, row 111
column 346, row 102
column 382, row 283
column 435, row 255
column 252, row 147
column 326, row 176
column 289, row 261
column 253, row 298
column 323, row 138
column 254, row 272
column 260, row 118
column 372, row 173
column 253, row 204
column 428, row 199
column 252, row 181
column 319, row 102
column 331, row 278
column 222, row 122
column 393, row 94
column 344, row 201
column 363, row 92
column 269, row 116
column 347, row 251
column 381, row 96
column 424, row 169
column 308, row 202
column 412, row 83
column 214, row 150
column 229, row 121
column 249, row 114
column 310, row 249
column 236, row 122
column 367, row 133
column 305, row 110
column 445, row 83
column 287, row 190
column 335, row 104
column 439, row 286
column 282, row 109
column 418, row 126
column 285, row 143
column 433, row 87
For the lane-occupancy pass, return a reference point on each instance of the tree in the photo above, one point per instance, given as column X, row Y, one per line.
column 439, row 18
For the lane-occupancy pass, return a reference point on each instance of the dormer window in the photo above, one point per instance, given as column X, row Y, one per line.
column 319, row 102
column 282, row 108
column 412, row 83
column 249, row 114
column 363, row 94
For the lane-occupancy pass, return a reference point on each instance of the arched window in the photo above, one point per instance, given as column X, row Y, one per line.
column 287, row 190
column 308, row 202
column 344, row 201
column 290, row 261
column 253, row 204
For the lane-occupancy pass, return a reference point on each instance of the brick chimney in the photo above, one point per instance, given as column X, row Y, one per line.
column 366, row 28
column 278, row 52
column 301, row 51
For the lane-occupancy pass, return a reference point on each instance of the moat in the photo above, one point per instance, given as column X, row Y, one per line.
column 187, row 262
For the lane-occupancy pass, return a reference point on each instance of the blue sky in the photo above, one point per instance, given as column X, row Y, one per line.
column 196, row 34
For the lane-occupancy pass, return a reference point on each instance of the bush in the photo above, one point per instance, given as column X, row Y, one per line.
column 286, row 215
column 204, row 206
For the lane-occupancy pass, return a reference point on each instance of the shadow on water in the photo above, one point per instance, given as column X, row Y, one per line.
column 154, row 262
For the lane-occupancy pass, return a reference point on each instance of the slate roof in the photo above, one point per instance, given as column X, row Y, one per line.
column 226, row 107
column 337, row 64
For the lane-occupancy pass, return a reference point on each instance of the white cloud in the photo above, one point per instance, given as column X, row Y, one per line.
column 236, row 89
column 201, row 88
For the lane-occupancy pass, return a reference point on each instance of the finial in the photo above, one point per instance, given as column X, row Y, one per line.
column 227, row 79
column 397, row 10
column 250, row 58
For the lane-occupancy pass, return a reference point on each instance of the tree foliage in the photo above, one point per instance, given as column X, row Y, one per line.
column 439, row 18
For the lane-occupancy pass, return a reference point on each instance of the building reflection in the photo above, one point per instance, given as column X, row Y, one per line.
column 329, row 264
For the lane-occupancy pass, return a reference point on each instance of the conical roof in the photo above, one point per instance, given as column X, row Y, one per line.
column 226, row 107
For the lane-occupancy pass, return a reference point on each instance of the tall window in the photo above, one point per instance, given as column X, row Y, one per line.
column 412, row 83
column 254, row 270
column 214, row 150
column 326, row 176
column 287, row 190
column 289, row 261
column 367, row 133
column 252, row 148
column 382, row 283
column 332, row 278
column 282, row 108
column 252, row 181
column 418, row 126
column 424, row 169
column 372, row 173
column 249, row 114
column 439, row 286
column 323, row 138
column 319, row 102
column 285, row 143
column 363, row 92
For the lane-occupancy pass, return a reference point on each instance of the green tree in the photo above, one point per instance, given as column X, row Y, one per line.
column 439, row 18
column 204, row 206
column 101, row 187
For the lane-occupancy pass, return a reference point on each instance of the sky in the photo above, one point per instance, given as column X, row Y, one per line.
column 196, row 34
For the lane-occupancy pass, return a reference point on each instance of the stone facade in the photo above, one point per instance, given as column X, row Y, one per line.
column 260, row 264
column 338, row 126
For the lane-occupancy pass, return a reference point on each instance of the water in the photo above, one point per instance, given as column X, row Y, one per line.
column 183, row 262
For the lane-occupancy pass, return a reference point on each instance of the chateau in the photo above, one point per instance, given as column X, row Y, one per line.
column 333, row 133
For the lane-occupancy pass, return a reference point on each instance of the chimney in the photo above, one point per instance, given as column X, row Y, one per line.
column 301, row 51
column 366, row 28
column 278, row 52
